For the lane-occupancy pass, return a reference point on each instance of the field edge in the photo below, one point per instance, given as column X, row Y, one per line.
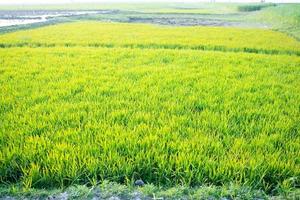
column 112, row 190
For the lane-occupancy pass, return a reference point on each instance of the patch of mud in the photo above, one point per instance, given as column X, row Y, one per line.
column 189, row 21
column 61, row 196
column 10, row 19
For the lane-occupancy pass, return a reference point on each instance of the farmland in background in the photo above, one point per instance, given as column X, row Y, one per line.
column 280, row 17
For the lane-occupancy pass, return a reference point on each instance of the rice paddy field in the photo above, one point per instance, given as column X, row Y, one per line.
column 86, row 102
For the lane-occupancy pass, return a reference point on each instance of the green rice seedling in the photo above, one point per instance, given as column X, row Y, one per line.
column 169, row 116
column 99, row 34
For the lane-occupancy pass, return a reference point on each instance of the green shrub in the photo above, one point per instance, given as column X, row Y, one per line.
column 254, row 7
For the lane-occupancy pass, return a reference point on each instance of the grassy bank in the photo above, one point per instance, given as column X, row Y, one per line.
column 109, row 190
column 283, row 17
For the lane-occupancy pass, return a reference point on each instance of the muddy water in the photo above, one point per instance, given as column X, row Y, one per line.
column 13, row 18
column 13, row 22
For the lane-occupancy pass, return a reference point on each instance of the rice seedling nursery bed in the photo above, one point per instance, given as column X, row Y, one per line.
column 88, row 101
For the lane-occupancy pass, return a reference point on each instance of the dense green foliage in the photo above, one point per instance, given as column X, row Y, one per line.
column 96, row 34
column 80, row 113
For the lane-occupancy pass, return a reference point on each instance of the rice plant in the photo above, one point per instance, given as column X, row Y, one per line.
column 169, row 116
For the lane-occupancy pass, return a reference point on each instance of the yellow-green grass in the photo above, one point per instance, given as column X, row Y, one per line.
column 81, row 115
column 150, row 36
column 149, row 106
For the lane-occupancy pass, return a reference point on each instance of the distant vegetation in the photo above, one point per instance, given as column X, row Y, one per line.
column 254, row 7
column 283, row 18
